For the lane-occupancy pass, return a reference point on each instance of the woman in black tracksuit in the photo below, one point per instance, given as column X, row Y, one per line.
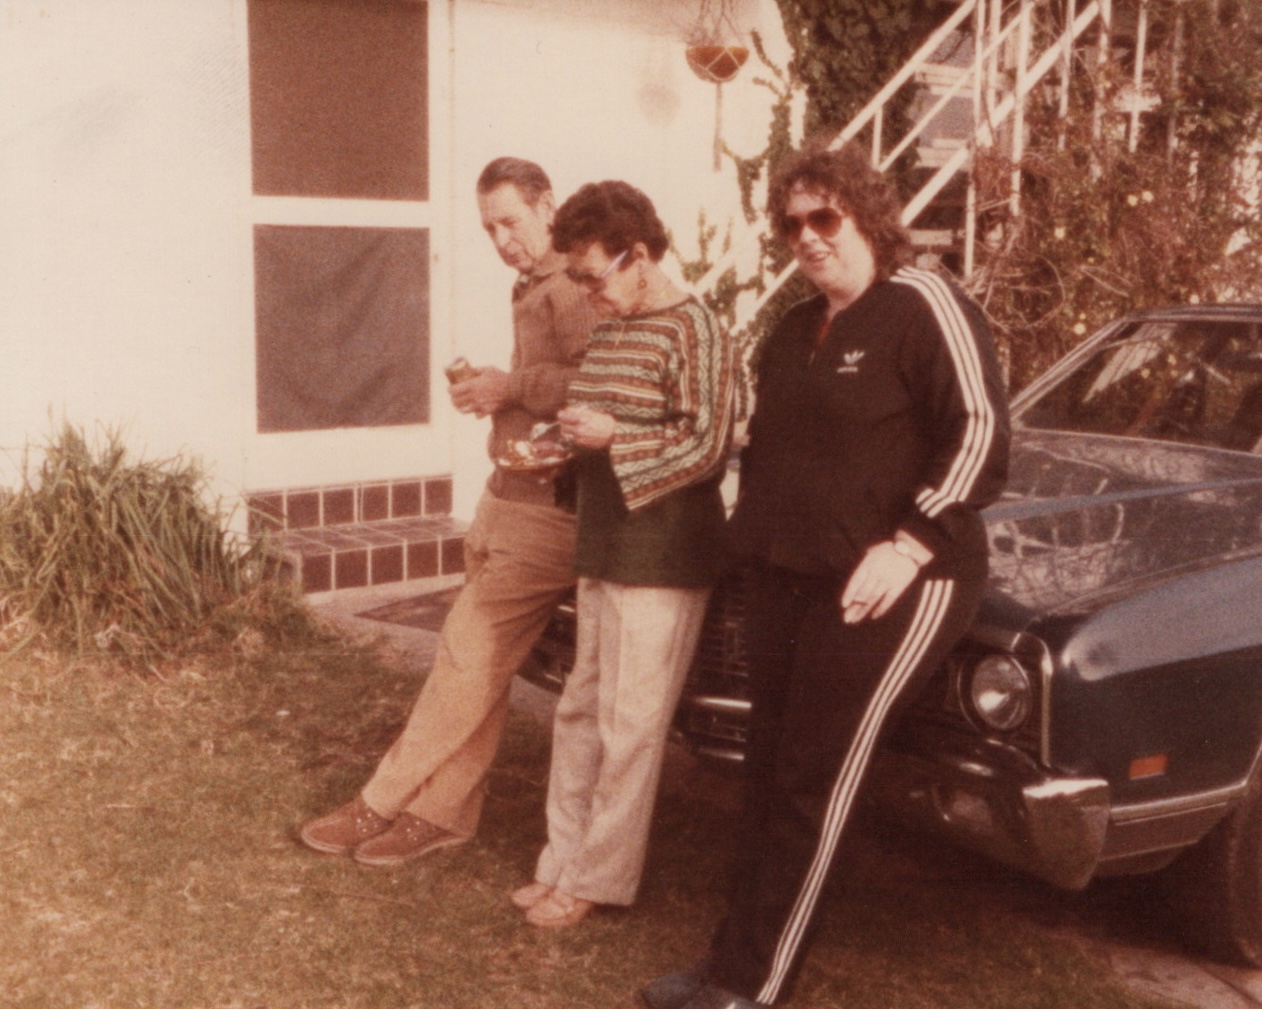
column 880, row 431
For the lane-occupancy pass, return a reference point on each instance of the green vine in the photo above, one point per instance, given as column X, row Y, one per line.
column 845, row 50
column 721, row 297
column 751, row 171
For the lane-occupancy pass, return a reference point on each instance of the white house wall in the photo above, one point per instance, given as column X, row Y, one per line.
column 126, row 274
column 123, row 160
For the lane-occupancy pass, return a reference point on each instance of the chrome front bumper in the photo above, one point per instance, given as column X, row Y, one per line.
column 979, row 793
column 996, row 800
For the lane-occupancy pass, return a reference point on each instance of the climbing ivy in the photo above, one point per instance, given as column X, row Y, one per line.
column 845, row 50
column 751, row 173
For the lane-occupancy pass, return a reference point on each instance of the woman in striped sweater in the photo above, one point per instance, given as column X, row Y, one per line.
column 879, row 433
column 650, row 414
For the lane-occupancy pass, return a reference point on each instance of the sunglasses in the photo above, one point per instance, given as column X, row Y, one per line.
column 596, row 281
column 824, row 221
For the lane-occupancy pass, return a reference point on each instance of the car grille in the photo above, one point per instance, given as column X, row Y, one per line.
column 713, row 714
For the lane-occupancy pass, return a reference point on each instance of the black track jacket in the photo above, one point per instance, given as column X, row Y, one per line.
column 898, row 420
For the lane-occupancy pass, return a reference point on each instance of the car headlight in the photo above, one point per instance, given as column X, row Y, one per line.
column 999, row 692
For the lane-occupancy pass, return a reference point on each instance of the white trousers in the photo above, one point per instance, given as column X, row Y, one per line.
column 634, row 647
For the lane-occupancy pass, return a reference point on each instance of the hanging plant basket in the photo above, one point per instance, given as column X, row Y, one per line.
column 715, row 54
column 717, row 64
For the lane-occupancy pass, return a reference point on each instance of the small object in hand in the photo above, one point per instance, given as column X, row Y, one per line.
column 460, row 370
column 532, row 455
column 557, row 441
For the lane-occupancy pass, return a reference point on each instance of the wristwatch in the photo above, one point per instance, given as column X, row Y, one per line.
column 904, row 548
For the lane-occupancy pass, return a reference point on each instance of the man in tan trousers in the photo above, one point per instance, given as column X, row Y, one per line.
column 428, row 789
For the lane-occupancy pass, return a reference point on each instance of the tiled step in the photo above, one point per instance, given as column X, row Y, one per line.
column 428, row 551
column 353, row 536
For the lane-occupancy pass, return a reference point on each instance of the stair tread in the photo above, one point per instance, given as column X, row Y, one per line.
column 359, row 555
column 374, row 533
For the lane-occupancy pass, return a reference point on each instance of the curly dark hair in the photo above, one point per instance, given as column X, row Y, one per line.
column 613, row 213
column 847, row 176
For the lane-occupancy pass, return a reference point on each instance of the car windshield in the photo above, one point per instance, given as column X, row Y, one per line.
column 1196, row 382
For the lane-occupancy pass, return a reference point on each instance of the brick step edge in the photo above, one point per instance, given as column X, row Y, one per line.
column 361, row 555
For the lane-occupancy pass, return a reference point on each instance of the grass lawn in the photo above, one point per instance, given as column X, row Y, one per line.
column 148, row 859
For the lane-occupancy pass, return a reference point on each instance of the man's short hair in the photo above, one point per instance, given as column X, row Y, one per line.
column 531, row 180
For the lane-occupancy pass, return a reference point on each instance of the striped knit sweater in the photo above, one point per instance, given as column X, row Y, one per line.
column 668, row 379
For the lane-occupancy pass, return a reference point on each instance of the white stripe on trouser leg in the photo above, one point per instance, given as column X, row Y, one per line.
column 934, row 603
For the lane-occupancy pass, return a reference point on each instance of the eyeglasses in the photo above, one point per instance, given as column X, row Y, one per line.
column 596, row 281
column 824, row 221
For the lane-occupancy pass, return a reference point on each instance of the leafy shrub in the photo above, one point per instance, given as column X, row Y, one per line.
column 1111, row 220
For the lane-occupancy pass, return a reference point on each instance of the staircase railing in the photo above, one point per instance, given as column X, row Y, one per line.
column 992, row 108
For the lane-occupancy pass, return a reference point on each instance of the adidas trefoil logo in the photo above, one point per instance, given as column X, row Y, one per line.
column 851, row 359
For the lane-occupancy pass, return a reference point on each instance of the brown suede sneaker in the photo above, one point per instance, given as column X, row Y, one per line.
column 344, row 829
column 408, row 837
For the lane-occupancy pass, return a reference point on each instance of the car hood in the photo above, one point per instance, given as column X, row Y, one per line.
column 1086, row 518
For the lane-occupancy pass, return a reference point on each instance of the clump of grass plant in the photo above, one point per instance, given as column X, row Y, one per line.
column 102, row 554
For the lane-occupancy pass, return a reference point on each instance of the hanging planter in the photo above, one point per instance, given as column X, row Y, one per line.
column 716, row 54
column 717, row 64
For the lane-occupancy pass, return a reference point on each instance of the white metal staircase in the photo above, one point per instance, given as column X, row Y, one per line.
column 975, row 74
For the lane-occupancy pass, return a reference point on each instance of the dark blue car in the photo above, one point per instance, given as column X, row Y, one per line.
column 1104, row 716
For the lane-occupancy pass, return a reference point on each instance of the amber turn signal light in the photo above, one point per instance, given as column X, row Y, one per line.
column 1148, row 767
